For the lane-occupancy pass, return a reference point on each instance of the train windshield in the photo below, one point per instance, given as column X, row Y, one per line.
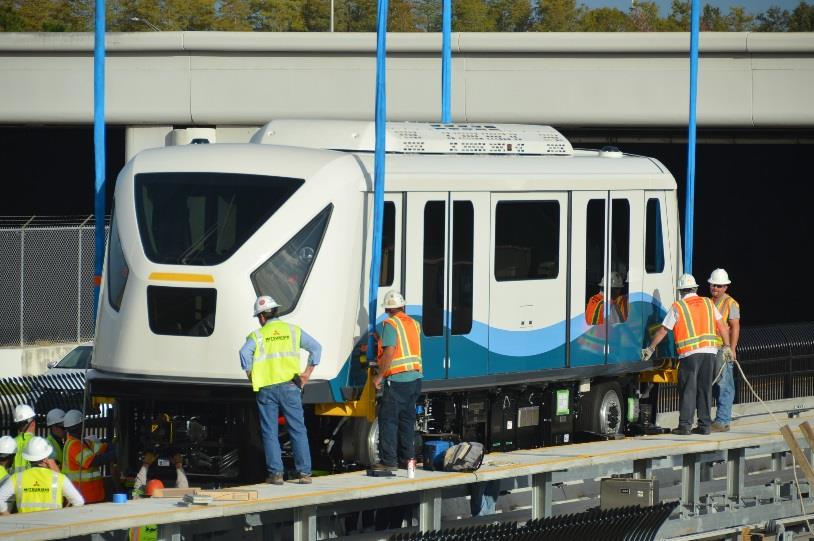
column 203, row 218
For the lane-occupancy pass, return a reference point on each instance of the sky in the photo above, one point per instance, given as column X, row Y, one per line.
column 752, row 6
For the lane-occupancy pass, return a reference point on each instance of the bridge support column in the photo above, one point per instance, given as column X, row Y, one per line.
column 735, row 474
column 690, row 482
column 305, row 523
column 541, row 495
column 429, row 510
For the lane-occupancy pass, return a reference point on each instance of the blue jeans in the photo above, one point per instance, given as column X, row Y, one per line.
column 285, row 398
column 725, row 394
column 397, row 420
column 483, row 498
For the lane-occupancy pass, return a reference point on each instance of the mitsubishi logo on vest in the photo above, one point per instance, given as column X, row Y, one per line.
column 275, row 335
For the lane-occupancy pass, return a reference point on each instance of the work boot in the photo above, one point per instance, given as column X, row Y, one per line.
column 719, row 427
column 700, row 431
column 681, row 431
column 383, row 467
column 302, row 479
column 275, row 479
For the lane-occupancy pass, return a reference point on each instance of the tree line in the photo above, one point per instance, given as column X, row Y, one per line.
column 403, row 16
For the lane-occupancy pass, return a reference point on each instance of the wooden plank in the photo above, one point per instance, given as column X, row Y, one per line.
column 808, row 432
column 230, row 494
column 174, row 492
column 794, row 447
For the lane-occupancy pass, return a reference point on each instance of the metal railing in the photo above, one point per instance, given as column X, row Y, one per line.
column 777, row 359
column 46, row 276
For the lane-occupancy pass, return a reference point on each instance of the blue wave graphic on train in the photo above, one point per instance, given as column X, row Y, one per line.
column 504, row 351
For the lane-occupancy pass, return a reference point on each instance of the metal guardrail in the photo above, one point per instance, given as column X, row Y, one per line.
column 623, row 524
column 777, row 359
column 45, row 392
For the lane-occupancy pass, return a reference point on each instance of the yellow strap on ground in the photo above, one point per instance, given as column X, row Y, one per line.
column 364, row 407
column 666, row 373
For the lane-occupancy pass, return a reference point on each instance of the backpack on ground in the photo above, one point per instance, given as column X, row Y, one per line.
column 463, row 457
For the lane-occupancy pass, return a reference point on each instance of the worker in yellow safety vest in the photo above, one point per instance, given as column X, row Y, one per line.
column 271, row 359
column 8, row 450
column 26, row 428
column 39, row 487
column 56, row 432
column 724, row 390
column 694, row 321
column 399, row 372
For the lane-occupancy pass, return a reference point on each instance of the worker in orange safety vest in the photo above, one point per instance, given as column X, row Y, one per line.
column 693, row 320
column 82, row 458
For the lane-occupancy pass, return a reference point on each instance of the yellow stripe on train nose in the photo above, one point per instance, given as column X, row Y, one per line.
column 180, row 277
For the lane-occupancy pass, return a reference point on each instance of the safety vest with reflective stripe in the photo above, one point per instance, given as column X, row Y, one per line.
column 695, row 327
column 77, row 465
column 276, row 354
column 144, row 533
column 724, row 305
column 37, row 489
column 407, row 355
column 57, row 445
column 594, row 311
column 3, row 473
column 21, row 464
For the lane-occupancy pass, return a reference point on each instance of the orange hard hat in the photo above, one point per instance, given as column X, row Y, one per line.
column 153, row 484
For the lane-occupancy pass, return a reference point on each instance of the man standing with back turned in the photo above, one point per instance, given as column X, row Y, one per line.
column 693, row 320
column 400, row 372
column 271, row 359
column 731, row 312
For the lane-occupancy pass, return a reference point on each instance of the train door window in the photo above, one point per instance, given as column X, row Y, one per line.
column 527, row 240
column 434, row 265
column 463, row 237
column 620, row 256
column 654, row 239
column 117, row 269
column 388, row 265
column 594, row 259
column 283, row 275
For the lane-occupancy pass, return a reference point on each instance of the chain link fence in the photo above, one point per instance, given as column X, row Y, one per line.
column 46, row 276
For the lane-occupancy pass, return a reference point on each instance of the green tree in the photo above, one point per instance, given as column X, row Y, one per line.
column 679, row 18
column 712, row 20
column 558, row 16
column 606, row 19
column 644, row 16
column 355, row 15
column 427, row 15
column 802, row 18
column 234, row 15
column 317, row 15
column 510, row 15
column 471, row 16
column 738, row 20
column 10, row 20
column 773, row 19
column 400, row 16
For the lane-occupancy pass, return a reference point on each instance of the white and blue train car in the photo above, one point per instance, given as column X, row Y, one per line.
column 498, row 236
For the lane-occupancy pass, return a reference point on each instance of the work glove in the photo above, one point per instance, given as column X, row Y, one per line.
column 726, row 353
column 647, row 353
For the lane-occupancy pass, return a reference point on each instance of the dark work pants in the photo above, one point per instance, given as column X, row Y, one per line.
column 397, row 421
column 695, row 374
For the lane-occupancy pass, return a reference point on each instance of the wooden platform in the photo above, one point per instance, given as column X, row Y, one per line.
column 333, row 490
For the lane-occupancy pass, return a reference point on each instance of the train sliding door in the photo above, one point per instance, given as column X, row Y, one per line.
column 527, row 293
column 447, row 280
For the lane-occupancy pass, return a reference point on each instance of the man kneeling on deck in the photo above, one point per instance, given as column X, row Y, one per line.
column 38, row 488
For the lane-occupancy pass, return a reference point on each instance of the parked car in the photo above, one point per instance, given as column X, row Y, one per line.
column 76, row 360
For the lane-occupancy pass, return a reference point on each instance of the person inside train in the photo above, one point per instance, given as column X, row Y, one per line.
column 39, row 487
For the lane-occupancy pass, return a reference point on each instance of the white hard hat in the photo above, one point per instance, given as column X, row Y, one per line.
column 264, row 303
column 393, row 299
column 8, row 445
column 616, row 280
column 72, row 418
column 37, row 449
column 686, row 281
column 55, row 416
column 23, row 412
column 719, row 277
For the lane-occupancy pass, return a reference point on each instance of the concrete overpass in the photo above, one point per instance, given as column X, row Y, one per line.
column 747, row 80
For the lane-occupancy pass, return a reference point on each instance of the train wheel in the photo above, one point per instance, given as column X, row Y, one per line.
column 601, row 410
column 360, row 441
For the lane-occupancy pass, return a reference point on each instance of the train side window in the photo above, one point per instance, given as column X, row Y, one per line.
column 434, row 264
column 117, row 269
column 620, row 258
column 463, row 245
column 654, row 239
column 283, row 275
column 594, row 260
column 527, row 240
column 388, row 265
